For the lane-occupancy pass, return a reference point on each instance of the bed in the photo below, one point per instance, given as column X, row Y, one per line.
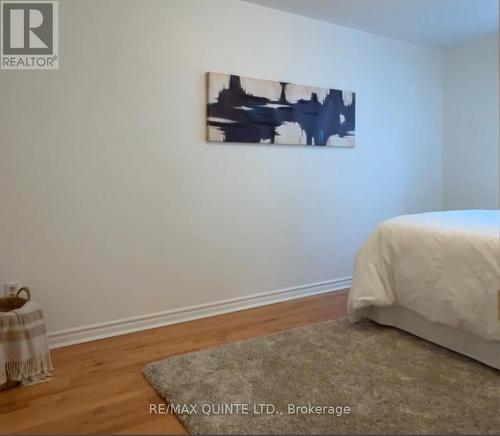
column 435, row 275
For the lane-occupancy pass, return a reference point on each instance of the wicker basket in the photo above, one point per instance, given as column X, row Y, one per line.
column 12, row 303
column 6, row 305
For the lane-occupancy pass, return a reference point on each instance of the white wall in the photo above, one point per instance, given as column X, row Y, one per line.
column 471, row 140
column 112, row 203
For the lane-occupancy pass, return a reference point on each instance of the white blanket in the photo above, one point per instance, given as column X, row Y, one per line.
column 24, row 350
column 445, row 266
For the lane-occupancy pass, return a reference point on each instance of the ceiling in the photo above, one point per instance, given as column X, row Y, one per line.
column 442, row 23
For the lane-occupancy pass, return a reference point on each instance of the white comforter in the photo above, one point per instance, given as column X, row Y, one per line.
column 443, row 265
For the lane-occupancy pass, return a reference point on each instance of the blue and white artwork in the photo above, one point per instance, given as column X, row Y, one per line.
column 241, row 109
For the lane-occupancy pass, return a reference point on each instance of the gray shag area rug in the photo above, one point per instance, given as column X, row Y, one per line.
column 346, row 378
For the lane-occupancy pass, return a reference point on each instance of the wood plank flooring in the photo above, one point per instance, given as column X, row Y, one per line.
column 98, row 386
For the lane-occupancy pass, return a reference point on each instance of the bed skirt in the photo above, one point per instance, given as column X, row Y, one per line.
column 461, row 341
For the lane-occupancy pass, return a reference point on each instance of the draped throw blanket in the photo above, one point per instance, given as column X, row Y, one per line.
column 24, row 350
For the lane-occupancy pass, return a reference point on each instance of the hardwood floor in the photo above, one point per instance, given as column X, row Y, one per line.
column 98, row 386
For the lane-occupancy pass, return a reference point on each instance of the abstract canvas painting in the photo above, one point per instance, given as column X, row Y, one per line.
column 241, row 109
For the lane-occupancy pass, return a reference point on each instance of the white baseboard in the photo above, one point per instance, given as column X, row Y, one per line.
column 62, row 338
